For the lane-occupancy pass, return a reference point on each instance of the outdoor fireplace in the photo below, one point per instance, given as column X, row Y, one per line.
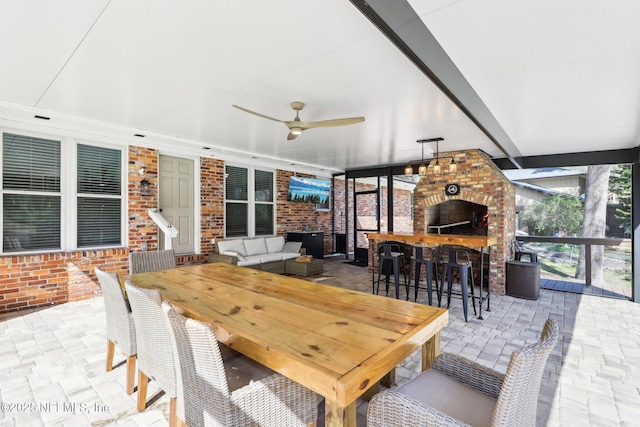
column 484, row 204
column 457, row 217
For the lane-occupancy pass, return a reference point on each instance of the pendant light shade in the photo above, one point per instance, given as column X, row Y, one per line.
column 422, row 170
column 408, row 170
column 453, row 166
column 437, row 169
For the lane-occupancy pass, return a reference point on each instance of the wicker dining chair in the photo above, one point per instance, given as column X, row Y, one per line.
column 155, row 356
column 120, row 326
column 458, row 392
column 235, row 392
column 142, row 262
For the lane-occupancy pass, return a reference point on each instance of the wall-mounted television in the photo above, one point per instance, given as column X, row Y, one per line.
column 309, row 190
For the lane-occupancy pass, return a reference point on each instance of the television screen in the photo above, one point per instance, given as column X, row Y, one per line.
column 308, row 190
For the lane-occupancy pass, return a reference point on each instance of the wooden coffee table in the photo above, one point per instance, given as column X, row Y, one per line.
column 311, row 268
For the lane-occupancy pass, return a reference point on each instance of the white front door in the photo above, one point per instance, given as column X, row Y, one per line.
column 176, row 201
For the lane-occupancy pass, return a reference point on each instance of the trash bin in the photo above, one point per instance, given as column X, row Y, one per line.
column 523, row 279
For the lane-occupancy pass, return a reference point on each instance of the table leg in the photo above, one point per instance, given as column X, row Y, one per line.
column 430, row 350
column 339, row 416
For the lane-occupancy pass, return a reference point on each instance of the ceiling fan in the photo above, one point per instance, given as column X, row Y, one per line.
column 296, row 126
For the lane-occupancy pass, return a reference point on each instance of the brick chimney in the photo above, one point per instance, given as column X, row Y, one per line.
column 482, row 184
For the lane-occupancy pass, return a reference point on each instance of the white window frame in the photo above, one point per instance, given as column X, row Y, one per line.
column 73, row 230
column 68, row 191
column 251, row 202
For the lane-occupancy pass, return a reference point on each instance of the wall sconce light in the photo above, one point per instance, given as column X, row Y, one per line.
column 145, row 187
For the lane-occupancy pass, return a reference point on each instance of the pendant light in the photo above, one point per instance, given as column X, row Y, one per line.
column 437, row 169
column 422, row 170
column 453, row 166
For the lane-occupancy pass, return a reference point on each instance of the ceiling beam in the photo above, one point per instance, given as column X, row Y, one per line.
column 605, row 157
column 403, row 27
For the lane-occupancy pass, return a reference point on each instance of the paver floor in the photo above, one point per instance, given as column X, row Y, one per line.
column 52, row 360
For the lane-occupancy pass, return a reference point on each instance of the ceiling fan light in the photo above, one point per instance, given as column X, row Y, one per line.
column 422, row 170
column 296, row 131
column 408, row 170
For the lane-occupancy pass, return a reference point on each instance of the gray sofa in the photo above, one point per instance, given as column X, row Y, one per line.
column 262, row 253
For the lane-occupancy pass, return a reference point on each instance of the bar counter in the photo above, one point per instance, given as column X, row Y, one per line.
column 478, row 243
column 435, row 239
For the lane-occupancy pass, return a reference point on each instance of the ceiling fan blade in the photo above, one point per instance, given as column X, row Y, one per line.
column 291, row 136
column 258, row 114
column 332, row 123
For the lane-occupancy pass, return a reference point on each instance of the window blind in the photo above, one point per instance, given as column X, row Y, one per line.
column 99, row 186
column 31, row 222
column 30, row 219
column 263, row 186
column 99, row 170
column 236, row 183
column 98, row 222
column 30, row 164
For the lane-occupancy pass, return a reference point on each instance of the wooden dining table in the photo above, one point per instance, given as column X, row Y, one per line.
column 337, row 342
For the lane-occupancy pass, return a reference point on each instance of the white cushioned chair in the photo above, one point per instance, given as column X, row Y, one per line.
column 458, row 392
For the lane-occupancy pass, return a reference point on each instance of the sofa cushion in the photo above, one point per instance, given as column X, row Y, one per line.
column 250, row 260
column 289, row 255
column 235, row 254
column 255, row 246
column 271, row 257
column 292, row 247
column 236, row 245
column 274, row 244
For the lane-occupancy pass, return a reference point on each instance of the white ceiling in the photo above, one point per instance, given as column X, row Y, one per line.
column 554, row 76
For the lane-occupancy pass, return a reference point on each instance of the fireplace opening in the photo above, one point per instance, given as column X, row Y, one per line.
column 457, row 217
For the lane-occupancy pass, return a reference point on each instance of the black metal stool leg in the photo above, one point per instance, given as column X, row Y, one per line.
column 464, row 285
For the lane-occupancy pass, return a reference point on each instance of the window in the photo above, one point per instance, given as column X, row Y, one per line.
column 31, row 193
column 40, row 210
column 99, row 196
column 249, row 202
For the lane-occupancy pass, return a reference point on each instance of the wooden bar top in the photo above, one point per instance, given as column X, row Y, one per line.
column 436, row 239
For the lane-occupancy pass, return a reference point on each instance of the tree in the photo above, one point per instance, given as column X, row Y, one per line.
column 595, row 220
column 560, row 214
column 620, row 185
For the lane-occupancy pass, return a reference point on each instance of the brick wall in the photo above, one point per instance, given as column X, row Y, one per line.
column 39, row 280
column 291, row 216
column 141, row 227
column 483, row 183
column 45, row 279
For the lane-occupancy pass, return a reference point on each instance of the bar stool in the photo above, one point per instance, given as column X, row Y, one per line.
column 391, row 261
column 431, row 272
column 465, row 270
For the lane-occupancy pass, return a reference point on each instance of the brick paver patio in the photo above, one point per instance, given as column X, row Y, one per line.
column 52, row 360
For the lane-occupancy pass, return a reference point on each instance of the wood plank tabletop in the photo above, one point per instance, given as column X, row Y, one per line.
column 335, row 341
